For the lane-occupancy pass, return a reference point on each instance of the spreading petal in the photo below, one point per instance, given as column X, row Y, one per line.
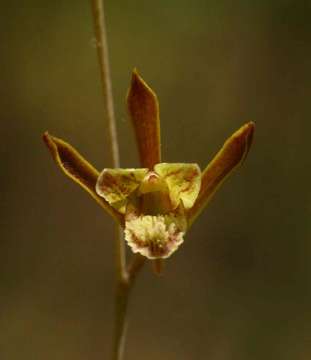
column 115, row 185
column 77, row 169
column 231, row 155
column 183, row 181
column 143, row 109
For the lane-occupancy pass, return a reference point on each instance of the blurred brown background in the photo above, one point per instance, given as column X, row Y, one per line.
column 239, row 288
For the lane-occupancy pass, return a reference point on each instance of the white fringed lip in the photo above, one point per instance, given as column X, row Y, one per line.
column 154, row 236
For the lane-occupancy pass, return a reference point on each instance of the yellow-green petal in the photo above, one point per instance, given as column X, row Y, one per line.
column 183, row 181
column 115, row 185
column 77, row 169
column 230, row 156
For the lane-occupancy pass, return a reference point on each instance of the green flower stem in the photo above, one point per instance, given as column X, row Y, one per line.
column 125, row 276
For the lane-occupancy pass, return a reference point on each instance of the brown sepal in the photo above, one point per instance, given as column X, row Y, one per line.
column 231, row 155
column 77, row 169
column 143, row 109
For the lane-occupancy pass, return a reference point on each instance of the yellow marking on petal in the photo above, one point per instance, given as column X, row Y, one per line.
column 183, row 181
column 115, row 185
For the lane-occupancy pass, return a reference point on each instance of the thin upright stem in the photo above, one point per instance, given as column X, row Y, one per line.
column 125, row 276
column 121, row 307
column 123, row 291
column 103, row 58
column 122, row 295
column 134, row 267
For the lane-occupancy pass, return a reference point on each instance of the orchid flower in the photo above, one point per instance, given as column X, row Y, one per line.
column 157, row 203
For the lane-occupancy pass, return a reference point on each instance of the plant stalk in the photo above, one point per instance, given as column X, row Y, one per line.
column 125, row 276
column 103, row 59
column 122, row 300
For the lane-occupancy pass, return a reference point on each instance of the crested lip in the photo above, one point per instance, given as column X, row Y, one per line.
column 154, row 236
